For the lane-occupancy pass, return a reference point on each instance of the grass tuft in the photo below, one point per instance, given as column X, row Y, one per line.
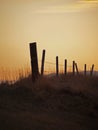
column 63, row 102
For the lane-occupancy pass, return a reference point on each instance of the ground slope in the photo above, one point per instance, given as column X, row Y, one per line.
column 55, row 103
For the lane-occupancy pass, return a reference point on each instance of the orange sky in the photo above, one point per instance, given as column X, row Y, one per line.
column 67, row 28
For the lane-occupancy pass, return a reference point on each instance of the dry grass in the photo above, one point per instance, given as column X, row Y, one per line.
column 13, row 75
column 52, row 103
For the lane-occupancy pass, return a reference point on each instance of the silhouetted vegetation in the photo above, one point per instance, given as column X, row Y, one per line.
column 52, row 103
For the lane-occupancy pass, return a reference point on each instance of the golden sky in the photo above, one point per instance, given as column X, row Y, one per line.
column 67, row 28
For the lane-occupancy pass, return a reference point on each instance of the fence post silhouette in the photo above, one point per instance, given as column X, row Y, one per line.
column 91, row 72
column 34, row 61
column 65, row 67
column 85, row 66
column 77, row 68
column 57, row 66
column 43, row 61
column 73, row 68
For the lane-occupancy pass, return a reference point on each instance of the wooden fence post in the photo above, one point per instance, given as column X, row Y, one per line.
column 73, row 67
column 43, row 61
column 85, row 69
column 77, row 69
column 34, row 61
column 57, row 66
column 92, row 69
column 65, row 67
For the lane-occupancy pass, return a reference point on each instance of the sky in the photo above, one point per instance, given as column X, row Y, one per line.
column 65, row 28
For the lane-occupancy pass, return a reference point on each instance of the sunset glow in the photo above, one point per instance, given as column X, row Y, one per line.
column 67, row 28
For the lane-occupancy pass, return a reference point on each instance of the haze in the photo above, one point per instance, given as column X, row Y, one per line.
column 67, row 28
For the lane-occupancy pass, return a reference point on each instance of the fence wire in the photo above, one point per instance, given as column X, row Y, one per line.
column 50, row 67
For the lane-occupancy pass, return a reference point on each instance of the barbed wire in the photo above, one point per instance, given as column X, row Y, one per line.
column 50, row 67
column 52, row 63
column 49, row 63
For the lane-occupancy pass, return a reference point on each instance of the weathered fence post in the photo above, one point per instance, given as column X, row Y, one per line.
column 92, row 69
column 34, row 61
column 73, row 67
column 57, row 66
column 77, row 69
column 43, row 61
column 85, row 69
column 65, row 67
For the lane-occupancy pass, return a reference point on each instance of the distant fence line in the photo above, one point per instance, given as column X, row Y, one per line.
column 49, row 67
column 46, row 67
column 57, row 65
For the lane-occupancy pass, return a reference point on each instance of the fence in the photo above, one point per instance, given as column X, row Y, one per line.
column 56, row 68
column 50, row 67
